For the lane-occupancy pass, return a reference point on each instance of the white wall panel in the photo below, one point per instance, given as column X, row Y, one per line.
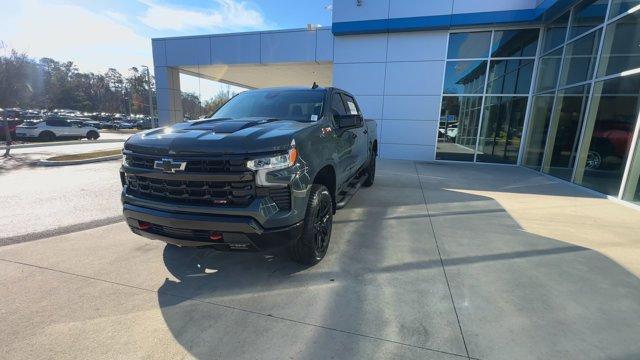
column 414, row 78
column 413, row 8
column 235, row 49
column 418, row 46
column 360, row 48
column 347, row 10
column 188, row 51
column 360, row 79
column 408, row 132
column 288, row 46
column 371, row 106
column 412, row 107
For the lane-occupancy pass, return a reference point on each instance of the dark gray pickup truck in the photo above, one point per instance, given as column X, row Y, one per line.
column 268, row 169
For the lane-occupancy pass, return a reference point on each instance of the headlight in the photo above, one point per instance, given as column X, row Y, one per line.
column 274, row 162
column 125, row 161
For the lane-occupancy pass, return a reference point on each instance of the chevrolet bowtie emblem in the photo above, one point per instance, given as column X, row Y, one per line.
column 170, row 166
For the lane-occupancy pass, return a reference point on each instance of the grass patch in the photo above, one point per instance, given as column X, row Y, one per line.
column 86, row 156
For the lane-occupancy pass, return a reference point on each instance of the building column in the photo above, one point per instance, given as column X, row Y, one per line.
column 168, row 96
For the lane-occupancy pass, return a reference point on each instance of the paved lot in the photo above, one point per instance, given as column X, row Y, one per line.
column 436, row 261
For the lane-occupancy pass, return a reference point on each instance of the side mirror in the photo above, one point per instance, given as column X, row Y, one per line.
column 348, row 121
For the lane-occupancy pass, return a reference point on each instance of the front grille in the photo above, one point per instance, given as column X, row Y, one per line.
column 192, row 192
column 184, row 234
column 195, row 165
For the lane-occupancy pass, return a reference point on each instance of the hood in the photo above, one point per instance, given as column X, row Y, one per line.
column 218, row 137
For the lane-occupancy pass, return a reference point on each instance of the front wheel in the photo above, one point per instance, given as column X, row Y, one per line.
column 93, row 135
column 313, row 243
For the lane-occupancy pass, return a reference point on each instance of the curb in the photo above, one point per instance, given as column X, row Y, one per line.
column 60, row 143
column 45, row 162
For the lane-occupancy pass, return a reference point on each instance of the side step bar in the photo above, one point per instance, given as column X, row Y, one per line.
column 354, row 186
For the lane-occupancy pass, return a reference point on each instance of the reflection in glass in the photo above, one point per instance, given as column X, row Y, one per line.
column 564, row 131
column 469, row 45
column 609, row 129
column 515, row 43
column 555, row 33
column 465, row 77
column 621, row 49
column 587, row 15
column 501, row 129
column 510, row 76
column 537, row 133
column 459, row 118
column 548, row 71
column 632, row 190
column 580, row 59
column 620, row 6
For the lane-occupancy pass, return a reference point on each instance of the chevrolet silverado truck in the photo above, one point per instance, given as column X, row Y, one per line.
column 268, row 169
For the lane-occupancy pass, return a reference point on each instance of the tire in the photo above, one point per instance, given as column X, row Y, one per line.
column 93, row 135
column 47, row 136
column 313, row 243
column 371, row 171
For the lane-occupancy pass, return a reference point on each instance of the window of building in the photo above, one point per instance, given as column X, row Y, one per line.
column 465, row 77
column 587, row 15
column 538, row 127
column 564, row 131
column 548, row 71
column 555, row 33
column 609, row 131
column 621, row 50
column 501, row 130
column 469, row 45
column 585, row 128
column 489, row 93
column 619, row 7
column 580, row 59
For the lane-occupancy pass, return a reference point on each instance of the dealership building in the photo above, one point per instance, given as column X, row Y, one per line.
column 551, row 85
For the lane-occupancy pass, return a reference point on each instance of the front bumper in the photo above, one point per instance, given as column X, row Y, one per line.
column 238, row 233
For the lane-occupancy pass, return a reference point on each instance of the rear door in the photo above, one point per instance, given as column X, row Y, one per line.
column 360, row 146
column 346, row 152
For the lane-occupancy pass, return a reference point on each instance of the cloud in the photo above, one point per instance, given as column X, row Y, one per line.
column 230, row 15
column 65, row 32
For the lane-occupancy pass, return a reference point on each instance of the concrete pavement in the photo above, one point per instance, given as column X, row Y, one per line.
column 435, row 261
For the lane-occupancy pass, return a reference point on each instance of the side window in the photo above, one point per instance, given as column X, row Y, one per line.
column 337, row 106
column 350, row 105
column 53, row 123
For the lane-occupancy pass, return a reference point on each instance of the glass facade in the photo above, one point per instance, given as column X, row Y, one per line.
column 584, row 117
column 485, row 95
column 566, row 104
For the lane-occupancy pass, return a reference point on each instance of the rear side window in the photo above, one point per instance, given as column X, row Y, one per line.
column 350, row 105
column 337, row 105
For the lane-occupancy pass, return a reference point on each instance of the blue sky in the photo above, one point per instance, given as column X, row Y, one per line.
column 99, row 34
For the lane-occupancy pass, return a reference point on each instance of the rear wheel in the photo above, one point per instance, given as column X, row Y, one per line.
column 371, row 170
column 93, row 135
column 47, row 136
column 312, row 245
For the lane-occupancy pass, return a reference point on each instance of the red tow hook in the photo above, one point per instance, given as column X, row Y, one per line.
column 143, row 225
column 215, row 236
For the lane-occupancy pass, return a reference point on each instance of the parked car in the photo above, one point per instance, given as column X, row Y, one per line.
column 124, row 125
column 268, row 169
column 55, row 128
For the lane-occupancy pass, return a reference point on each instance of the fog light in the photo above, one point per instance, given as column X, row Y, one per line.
column 143, row 225
column 215, row 236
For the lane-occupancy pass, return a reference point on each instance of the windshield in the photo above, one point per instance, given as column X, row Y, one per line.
column 300, row 105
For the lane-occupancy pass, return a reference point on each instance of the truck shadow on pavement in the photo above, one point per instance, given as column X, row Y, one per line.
column 398, row 283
